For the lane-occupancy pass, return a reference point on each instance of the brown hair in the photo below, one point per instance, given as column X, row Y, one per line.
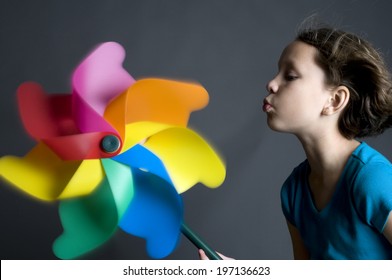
column 353, row 62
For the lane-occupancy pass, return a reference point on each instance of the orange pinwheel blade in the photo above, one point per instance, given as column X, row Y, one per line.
column 156, row 100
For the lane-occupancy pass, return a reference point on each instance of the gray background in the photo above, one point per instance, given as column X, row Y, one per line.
column 231, row 47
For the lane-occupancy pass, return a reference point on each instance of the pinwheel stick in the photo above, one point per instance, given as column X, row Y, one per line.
column 199, row 243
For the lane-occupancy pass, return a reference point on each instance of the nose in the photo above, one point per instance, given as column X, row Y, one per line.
column 272, row 86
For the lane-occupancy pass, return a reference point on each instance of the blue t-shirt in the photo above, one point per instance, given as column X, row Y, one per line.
column 351, row 225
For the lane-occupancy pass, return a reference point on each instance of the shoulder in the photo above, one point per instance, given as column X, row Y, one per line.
column 296, row 179
column 372, row 186
column 373, row 169
column 368, row 155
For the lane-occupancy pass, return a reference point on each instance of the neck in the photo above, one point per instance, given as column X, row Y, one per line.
column 327, row 154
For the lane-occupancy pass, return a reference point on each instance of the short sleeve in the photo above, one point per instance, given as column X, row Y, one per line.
column 287, row 207
column 287, row 197
column 372, row 194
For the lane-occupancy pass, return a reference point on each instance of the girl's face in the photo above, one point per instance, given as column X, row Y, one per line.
column 298, row 93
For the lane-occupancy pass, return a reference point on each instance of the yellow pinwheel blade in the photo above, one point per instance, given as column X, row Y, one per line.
column 187, row 157
column 42, row 174
column 84, row 181
column 139, row 132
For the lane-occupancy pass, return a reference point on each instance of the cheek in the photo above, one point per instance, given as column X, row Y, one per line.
column 291, row 107
column 293, row 114
column 305, row 102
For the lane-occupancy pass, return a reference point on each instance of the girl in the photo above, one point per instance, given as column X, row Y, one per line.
column 331, row 88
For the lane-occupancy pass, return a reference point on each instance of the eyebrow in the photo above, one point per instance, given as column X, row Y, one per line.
column 289, row 63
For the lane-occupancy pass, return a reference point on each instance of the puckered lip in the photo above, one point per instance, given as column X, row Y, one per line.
column 267, row 106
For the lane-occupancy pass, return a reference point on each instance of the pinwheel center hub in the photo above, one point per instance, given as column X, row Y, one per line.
column 110, row 144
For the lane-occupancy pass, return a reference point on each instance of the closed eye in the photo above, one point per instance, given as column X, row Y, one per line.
column 291, row 77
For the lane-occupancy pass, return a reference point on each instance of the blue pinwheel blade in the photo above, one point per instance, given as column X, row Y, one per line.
column 155, row 214
column 142, row 158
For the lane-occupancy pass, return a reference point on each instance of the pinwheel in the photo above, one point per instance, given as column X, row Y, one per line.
column 114, row 152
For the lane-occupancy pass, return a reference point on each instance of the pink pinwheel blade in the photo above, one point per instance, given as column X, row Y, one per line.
column 87, row 119
column 96, row 81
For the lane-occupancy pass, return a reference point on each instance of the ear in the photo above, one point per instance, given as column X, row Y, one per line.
column 337, row 101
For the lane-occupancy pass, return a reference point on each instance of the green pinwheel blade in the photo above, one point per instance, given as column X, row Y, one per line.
column 90, row 221
column 121, row 183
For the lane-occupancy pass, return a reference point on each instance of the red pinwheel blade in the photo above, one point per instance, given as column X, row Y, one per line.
column 49, row 118
column 45, row 116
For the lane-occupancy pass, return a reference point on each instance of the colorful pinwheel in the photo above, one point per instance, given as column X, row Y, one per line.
column 115, row 152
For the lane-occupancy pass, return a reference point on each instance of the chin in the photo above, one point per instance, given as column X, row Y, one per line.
column 282, row 125
column 273, row 125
